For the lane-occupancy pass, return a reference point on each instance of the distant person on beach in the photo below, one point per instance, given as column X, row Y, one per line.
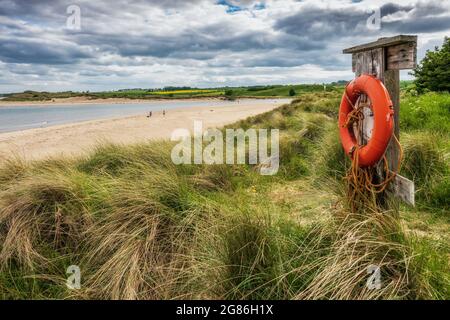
column 149, row 115
column 164, row 112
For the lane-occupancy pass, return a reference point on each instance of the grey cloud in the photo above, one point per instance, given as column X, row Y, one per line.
column 284, row 58
column 104, row 73
column 420, row 25
column 345, row 22
column 53, row 7
column 25, row 69
column 37, row 52
column 429, row 9
column 318, row 23
column 391, row 8
column 425, row 17
column 202, row 43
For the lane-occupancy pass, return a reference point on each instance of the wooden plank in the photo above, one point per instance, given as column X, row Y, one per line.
column 354, row 62
column 363, row 64
column 368, row 124
column 368, row 62
column 404, row 189
column 378, row 62
column 402, row 56
column 382, row 43
column 392, row 82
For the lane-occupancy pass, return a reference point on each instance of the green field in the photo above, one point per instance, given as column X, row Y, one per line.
column 141, row 227
column 179, row 93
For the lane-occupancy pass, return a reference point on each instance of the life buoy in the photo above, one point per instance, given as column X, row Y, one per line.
column 383, row 113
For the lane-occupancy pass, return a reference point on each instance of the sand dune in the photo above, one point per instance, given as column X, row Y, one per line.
column 78, row 138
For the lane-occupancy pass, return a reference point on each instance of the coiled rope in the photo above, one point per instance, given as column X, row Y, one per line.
column 362, row 191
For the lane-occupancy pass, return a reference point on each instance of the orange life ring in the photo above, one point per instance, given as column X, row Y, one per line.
column 383, row 113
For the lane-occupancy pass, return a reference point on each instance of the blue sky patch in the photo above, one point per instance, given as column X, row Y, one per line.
column 230, row 7
column 259, row 6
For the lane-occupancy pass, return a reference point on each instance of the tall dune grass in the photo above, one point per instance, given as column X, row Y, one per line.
column 141, row 227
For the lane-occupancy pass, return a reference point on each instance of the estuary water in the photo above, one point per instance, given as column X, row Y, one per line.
column 16, row 118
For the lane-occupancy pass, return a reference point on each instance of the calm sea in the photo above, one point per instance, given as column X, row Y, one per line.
column 28, row 117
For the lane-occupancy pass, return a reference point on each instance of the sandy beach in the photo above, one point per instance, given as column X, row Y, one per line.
column 79, row 138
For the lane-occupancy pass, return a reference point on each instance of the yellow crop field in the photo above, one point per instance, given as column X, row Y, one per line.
column 187, row 92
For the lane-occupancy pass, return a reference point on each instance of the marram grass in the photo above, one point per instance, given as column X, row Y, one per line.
column 140, row 227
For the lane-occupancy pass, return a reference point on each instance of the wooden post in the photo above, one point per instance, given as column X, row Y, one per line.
column 384, row 59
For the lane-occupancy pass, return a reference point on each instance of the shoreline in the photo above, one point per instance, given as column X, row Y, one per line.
column 79, row 138
column 86, row 101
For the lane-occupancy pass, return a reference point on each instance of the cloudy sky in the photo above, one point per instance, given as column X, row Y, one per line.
column 202, row 43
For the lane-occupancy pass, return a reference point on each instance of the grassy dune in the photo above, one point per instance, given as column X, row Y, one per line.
column 140, row 227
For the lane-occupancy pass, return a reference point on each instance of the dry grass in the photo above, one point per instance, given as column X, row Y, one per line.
column 362, row 242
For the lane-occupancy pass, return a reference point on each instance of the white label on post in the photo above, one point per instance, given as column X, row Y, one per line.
column 404, row 189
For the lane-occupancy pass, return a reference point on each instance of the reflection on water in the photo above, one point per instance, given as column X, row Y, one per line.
column 28, row 117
